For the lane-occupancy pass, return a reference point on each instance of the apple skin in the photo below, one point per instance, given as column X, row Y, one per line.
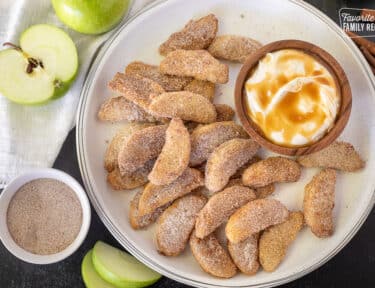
column 90, row 16
column 61, row 91
column 45, row 43
column 112, row 278
column 57, row 93
column 90, row 277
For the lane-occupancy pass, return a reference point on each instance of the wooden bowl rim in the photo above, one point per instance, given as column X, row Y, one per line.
column 325, row 59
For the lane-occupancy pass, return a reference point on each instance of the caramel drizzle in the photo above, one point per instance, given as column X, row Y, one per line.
column 286, row 116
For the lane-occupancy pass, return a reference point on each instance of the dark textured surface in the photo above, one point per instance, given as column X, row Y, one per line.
column 352, row 267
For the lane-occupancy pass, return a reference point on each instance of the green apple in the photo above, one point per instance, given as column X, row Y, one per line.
column 90, row 16
column 90, row 277
column 121, row 269
column 41, row 68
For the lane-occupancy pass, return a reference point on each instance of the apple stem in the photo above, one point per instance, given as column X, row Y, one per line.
column 18, row 48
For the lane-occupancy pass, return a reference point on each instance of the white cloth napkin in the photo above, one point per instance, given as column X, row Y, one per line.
column 31, row 136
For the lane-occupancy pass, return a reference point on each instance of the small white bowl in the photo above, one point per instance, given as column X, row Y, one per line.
column 7, row 195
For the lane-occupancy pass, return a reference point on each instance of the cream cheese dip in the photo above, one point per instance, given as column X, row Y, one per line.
column 292, row 97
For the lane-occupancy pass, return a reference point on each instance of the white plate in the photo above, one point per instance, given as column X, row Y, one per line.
column 266, row 21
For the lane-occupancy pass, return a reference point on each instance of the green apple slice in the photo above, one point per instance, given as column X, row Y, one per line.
column 121, row 269
column 42, row 68
column 90, row 277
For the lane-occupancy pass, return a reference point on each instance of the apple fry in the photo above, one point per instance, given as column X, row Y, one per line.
column 154, row 196
column 169, row 83
column 219, row 207
column 260, row 192
column 233, row 48
column 234, row 182
column 174, row 157
column 185, row 105
column 226, row 159
column 245, row 254
column 141, row 147
column 197, row 34
column 240, row 170
column 176, row 223
column 265, row 191
column 274, row 242
column 319, row 201
column 206, row 138
column 254, row 217
column 224, row 112
column 132, row 180
column 195, row 63
column 139, row 222
column 339, row 155
column 116, row 109
column 111, row 154
column 136, row 89
column 204, row 88
column 271, row 170
column 212, row 257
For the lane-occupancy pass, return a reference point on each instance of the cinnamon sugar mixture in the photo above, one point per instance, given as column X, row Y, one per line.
column 44, row 216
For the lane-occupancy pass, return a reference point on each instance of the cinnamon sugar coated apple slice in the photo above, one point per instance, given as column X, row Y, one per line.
column 136, row 89
column 118, row 108
column 219, row 207
column 338, row 155
column 240, row 171
column 176, row 224
column 265, row 191
column 233, row 48
column 139, row 222
column 174, row 157
column 195, row 63
column 197, row 34
column 169, row 83
column 114, row 147
column 185, row 105
column 319, row 201
column 132, row 180
column 212, row 257
column 254, row 217
column 271, row 170
column 226, row 159
column 154, row 196
column 260, row 192
column 224, row 112
column 204, row 139
column 204, row 88
column 141, row 147
column 274, row 242
column 245, row 254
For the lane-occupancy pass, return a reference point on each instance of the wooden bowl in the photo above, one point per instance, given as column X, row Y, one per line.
column 322, row 57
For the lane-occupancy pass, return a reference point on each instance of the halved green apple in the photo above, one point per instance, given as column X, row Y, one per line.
column 90, row 277
column 121, row 269
column 42, row 68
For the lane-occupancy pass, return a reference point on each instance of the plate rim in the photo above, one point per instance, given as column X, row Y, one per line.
column 122, row 239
